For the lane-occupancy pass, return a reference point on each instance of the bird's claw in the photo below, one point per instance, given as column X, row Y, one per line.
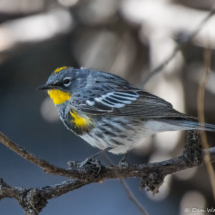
column 88, row 165
column 91, row 161
column 123, row 164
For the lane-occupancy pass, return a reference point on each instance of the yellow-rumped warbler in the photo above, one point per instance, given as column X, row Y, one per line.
column 107, row 111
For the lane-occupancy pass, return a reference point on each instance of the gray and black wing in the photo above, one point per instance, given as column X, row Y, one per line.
column 135, row 103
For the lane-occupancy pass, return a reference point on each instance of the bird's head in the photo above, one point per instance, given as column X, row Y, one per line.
column 62, row 83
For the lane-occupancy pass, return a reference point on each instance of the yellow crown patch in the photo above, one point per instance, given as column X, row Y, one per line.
column 59, row 69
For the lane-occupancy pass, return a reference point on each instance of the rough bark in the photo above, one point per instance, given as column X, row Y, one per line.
column 33, row 200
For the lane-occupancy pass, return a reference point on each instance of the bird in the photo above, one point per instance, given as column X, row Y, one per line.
column 110, row 113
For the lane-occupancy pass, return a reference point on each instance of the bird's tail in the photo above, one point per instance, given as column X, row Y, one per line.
column 188, row 123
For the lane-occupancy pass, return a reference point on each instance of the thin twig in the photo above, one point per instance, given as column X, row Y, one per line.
column 179, row 47
column 132, row 197
column 128, row 191
column 201, row 117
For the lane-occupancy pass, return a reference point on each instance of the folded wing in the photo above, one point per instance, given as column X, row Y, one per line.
column 135, row 103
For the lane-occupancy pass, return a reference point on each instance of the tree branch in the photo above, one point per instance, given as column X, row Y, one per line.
column 33, row 200
column 88, row 172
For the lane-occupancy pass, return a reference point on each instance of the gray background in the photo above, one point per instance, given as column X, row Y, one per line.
column 27, row 65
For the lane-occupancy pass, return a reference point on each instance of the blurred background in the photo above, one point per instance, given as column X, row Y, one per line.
column 128, row 38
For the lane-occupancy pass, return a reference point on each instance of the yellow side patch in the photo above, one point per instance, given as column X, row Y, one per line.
column 58, row 96
column 79, row 121
column 59, row 69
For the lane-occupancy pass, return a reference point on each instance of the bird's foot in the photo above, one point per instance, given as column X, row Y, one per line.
column 88, row 165
column 123, row 164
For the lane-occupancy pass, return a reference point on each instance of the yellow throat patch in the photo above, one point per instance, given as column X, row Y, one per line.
column 59, row 96
column 79, row 121
column 59, row 69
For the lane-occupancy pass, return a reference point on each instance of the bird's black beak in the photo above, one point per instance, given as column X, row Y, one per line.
column 45, row 87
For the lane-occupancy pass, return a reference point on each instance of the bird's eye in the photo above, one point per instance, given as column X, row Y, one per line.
column 66, row 82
